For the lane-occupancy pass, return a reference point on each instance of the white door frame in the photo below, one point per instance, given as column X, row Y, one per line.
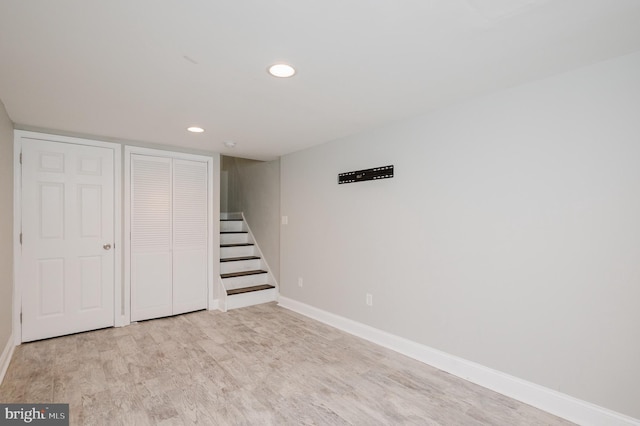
column 213, row 192
column 19, row 135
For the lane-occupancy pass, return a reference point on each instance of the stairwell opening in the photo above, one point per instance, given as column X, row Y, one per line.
column 249, row 231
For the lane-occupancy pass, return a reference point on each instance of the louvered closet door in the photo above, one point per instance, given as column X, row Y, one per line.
column 189, row 235
column 151, row 256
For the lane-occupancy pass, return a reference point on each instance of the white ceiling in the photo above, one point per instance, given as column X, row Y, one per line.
column 144, row 70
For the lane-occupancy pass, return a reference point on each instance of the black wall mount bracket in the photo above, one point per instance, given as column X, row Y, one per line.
column 375, row 173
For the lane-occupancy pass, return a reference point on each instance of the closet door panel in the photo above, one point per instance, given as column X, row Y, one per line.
column 151, row 255
column 151, row 286
column 190, row 230
column 190, row 281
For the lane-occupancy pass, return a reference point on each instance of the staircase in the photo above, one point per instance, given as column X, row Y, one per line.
column 245, row 278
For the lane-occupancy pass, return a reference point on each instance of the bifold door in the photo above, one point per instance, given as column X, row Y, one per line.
column 169, row 232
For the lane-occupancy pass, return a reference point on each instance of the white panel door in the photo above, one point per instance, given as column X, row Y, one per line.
column 151, row 255
column 68, row 236
column 190, row 235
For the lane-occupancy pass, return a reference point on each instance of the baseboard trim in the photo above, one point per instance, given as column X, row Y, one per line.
column 5, row 358
column 214, row 305
column 549, row 400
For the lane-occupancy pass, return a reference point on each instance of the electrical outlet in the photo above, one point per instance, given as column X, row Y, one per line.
column 369, row 299
column 285, row 220
column 299, row 281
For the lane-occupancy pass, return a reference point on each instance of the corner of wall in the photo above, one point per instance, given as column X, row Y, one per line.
column 6, row 234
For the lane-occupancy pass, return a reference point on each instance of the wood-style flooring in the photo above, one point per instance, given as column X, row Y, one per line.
column 261, row 365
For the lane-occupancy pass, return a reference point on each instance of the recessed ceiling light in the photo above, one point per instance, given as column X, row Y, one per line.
column 229, row 144
column 282, row 70
column 195, row 129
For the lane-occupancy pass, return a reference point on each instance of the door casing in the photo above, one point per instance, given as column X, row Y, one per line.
column 19, row 135
column 213, row 167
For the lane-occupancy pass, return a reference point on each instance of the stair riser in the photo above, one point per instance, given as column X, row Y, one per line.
column 253, row 298
column 237, row 251
column 250, row 298
column 232, row 226
column 242, row 265
column 230, row 215
column 245, row 281
column 234, row 238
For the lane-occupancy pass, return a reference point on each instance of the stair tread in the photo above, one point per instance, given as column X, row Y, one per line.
column 234, row 232
column 237, row 259
column 242, row 273
column 249, row 289
column 236, row 245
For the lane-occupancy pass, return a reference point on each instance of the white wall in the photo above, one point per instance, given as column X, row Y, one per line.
column 510, row 235
column 6, row 226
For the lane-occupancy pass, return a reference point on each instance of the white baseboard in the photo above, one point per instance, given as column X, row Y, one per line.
column 214, row 305
column 5, row 358
column 549, row 400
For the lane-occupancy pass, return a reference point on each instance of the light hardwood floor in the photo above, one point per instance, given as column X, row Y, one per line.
column 257, row 366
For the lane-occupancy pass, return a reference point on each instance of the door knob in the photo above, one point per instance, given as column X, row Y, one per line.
column 107, row 246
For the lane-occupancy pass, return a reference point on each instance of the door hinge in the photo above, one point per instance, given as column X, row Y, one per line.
column 20, row 317
column 20, row 158
column 21, row 238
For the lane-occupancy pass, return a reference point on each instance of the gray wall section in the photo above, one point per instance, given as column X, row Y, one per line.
column 261, row 206
column 509, row 235
column 6, row 226
column 253, row 187
column 231, row 194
